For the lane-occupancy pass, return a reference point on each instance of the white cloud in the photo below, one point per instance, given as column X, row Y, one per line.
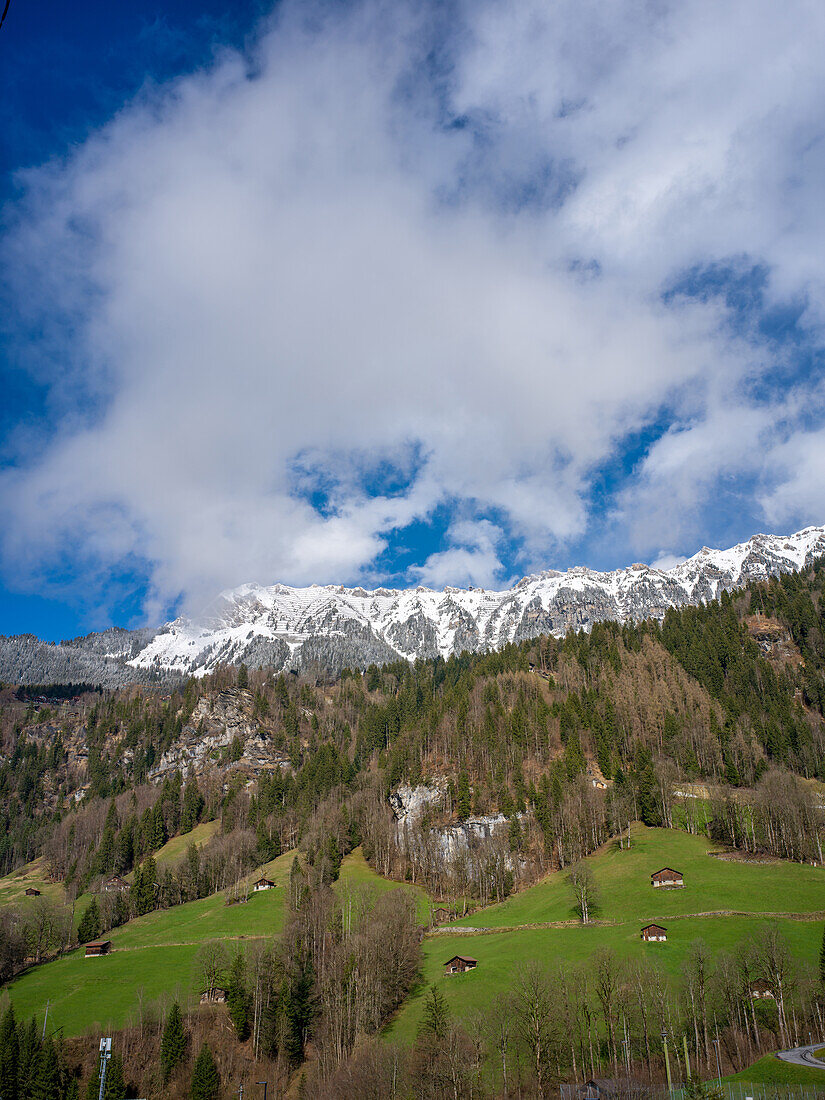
column 666, row 560
column 472, row 558
column 290, row 255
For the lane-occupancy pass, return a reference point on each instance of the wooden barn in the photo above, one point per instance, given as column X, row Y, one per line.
column 32, row 892
column 458, row 964
column 213, row 997
column 102, row 947
column 441, row 914
column 263, row 884
column 667, row 877
column 654, row 933
column 760, row 989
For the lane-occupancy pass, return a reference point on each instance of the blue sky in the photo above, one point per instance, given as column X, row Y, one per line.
column 400, row 293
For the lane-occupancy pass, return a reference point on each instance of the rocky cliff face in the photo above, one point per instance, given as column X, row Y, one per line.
column 333, row 627
column 216, row 722
column 410, row 804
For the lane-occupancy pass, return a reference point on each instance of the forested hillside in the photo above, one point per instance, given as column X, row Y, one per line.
column 469, row 777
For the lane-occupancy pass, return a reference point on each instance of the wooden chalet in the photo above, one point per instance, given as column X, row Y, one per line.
column 760, row 989
column 654, row 933
column 115, row 885
column 667, row 877
column 458, row 964
column 32, row 892
column 263, row 884
column 102, row 947
column 213, row 997
column 441, row 914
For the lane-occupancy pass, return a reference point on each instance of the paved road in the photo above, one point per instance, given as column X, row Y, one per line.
column 802, row 1056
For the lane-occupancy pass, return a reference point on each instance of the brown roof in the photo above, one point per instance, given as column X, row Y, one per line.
column 654, row 928
column 462, row 958
column 667, row 871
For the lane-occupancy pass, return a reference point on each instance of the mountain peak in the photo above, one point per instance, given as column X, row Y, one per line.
column 333, row 627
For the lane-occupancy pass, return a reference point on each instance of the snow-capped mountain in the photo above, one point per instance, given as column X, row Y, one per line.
column 331, row 627
column 334, row 626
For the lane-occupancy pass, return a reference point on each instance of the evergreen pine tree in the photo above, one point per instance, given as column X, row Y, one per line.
column 822, row 960
column 243, row 677
column 144, row 890
column 206, row 1081
column 173, row 1043
column 464, row 805
column 46, row 1083
column 9, row 1056
column 237, row 997
column 29, row 1040
column 115, row 1087
column 436, row 1016
column 90, row 925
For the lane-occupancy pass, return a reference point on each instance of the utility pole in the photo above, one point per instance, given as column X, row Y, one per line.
column 687, row 1059
column 105, row 1055
column 264, row 1083
column 718, row 1066
column 43, row 1036
column 667, row 1064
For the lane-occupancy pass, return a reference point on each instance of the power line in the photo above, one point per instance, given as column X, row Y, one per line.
column 5, row 13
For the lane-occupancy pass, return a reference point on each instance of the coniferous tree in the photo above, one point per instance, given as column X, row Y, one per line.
column 436, row 1016
column 9, row 1056
column 29, row 1040
column 464, row 805
column 46, row 1077
column 206, row 1081
column 144, row 891
column 115, row 1086
column 90, row 925
column 822, row 961
column 237, row 997
column 173, row 1043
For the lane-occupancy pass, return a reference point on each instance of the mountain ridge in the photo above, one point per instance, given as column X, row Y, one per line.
column 329, row 627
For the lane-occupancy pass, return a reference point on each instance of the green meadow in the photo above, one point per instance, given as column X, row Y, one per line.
column 627, row 901
column 500, row 954
column 771, row 1070
column 153, row 957
column 622, row 877
column 356, row 873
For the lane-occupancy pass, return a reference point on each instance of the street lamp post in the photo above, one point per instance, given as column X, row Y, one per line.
column 264, row 1083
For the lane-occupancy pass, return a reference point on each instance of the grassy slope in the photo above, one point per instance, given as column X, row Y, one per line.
column 13, row 887
column 773, row 1071
column 178, row 846
column 627, row 899
column 356, row 873
column 623, row 880
column 153, row 957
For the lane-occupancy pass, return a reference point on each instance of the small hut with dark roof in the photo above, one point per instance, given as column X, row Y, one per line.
column 458, row 964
